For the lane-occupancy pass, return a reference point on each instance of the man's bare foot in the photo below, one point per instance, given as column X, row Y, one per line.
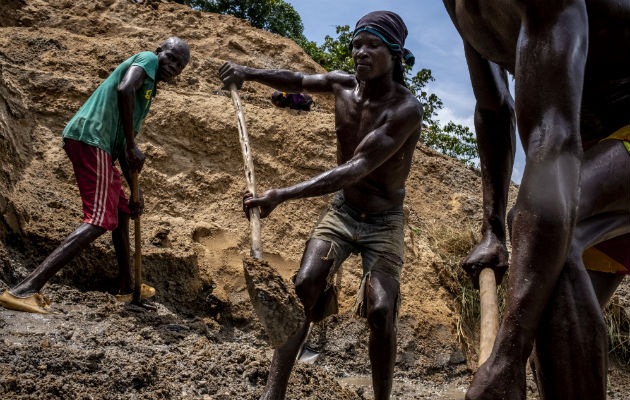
column 498, row 380
column 490, row 252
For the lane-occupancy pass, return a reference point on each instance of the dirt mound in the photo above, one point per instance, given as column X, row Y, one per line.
column 203, row 342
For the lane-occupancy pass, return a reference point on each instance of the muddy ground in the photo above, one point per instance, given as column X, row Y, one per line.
column 203, row 341
column 93, row 347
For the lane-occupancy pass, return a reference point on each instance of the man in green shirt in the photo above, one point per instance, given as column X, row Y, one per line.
column 100, row 133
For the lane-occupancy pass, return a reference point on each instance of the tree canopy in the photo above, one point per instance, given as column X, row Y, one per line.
column 275, row 16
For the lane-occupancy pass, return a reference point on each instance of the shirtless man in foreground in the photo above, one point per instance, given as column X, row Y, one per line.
column 570, row 60
column 378, row 123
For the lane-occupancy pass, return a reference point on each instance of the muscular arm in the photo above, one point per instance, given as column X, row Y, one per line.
column 494, row 125
column 550, row 60
column 376, row 148
column 284, row 80
column 132, row 81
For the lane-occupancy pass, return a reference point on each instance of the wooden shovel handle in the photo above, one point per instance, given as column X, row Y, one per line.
column 135, row 192
column 489, row 313
column 254, row 213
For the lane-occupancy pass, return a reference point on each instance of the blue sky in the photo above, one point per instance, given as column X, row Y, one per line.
column 432, row 38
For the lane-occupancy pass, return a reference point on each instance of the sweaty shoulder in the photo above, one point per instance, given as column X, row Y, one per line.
column 341, row 78
column 408, row 106
column 148, row 61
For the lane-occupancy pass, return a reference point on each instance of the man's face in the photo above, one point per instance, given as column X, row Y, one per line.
column 171, row 62
column 372, row 58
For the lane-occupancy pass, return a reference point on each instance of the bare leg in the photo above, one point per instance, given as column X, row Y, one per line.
column 309, row 285
column 562, row 331
column 382, row 295
column 604, row 212
column 70, row 248
column 120, row 237
column 571, row 349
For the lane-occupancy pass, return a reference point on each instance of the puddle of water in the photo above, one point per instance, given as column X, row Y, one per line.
column 356, row 380
column 402, row 389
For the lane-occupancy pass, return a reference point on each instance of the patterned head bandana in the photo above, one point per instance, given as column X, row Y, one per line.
column 390, row 28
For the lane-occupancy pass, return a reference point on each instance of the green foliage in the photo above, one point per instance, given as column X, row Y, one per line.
column 334, row 54
column 430, row 101
column 275, row 16
column 453, row 140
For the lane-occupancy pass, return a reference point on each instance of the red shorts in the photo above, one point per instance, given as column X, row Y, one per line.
column 99, row 184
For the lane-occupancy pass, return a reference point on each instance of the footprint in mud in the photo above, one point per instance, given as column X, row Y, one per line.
column 214, row 238
column 221, row 249
column 223, row 262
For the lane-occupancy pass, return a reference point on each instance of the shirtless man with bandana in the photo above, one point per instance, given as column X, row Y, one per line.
column 378, row 123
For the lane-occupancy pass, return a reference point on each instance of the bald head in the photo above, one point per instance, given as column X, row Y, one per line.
column 177, row 44
column 173, row 56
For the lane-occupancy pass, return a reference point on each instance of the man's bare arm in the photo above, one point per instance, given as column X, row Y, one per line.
column 284, row 80
column 131, row 82
column 136, row 206
column 551, row 60
column 495, row 128
column 550, row 64
column 376, row 148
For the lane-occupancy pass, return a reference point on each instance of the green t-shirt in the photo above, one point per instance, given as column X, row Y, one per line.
column 98, row 121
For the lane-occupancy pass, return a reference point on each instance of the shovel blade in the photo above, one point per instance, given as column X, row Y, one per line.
column 276, row 305
column 308, row 356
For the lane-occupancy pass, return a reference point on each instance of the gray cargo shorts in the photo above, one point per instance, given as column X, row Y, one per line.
column 378, row 237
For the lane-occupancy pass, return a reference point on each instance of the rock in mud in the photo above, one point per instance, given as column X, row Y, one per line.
column 277, row 306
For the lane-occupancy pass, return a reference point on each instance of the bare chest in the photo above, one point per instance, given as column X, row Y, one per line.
column 354, row 121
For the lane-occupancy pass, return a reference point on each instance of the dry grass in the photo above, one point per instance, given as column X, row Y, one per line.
column 453, row 243
column 617, row 321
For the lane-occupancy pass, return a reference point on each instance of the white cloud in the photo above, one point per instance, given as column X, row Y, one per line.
column 446, row 114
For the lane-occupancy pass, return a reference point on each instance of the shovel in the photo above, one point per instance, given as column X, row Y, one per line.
column 138, row 242
column 254, row 213
column 489, row 313
column 137, row 292
column 278, row 308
